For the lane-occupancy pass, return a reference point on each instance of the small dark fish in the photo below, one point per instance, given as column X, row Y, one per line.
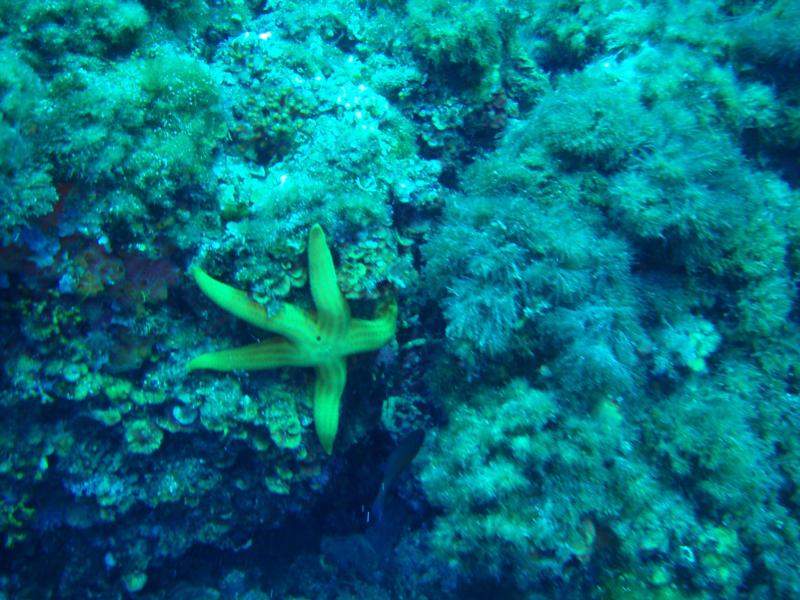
column 398, row 460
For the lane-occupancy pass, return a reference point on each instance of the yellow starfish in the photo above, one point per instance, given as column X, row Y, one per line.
column 321, row 339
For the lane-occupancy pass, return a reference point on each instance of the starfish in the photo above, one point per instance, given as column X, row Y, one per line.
column 322, row 339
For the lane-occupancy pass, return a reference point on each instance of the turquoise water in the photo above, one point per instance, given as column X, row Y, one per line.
column 249, row 251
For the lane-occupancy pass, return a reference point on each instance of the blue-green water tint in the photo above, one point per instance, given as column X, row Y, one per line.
column 587, row 211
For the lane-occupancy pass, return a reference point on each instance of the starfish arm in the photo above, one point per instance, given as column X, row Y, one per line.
column 333, row 313
column 230, row 299
column 328, row 388
column 365, row 336
column 266, row 355
column 289, row 321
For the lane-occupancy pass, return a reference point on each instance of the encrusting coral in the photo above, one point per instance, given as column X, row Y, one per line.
column 321, row 340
